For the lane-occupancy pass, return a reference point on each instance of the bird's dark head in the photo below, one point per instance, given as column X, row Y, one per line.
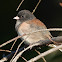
column 24, row 15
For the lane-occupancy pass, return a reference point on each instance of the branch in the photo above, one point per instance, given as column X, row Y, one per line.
column 9, row 56
column 20, row 53
column 45, row 53
column 51, row 29
column 11, row 40
column 19, row 5
column 36, row 6
column 57, row 39
column 5, row 50
column 43, row 42
column 18, row 48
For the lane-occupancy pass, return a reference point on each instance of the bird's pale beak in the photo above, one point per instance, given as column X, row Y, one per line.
column 17, row 18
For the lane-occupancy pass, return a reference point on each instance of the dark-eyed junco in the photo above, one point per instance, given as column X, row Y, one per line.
column 26, row 23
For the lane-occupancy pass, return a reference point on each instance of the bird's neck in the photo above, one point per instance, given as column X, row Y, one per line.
column 18, row 22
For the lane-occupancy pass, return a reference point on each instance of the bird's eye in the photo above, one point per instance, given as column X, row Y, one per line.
column 22, row 16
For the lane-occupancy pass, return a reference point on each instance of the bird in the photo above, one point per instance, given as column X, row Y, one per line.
column 26, row 22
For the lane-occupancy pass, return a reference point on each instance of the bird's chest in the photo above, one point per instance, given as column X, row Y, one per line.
column 24, row 28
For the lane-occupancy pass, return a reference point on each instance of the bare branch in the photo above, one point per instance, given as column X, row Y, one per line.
column 3, row 60
column 18, row 48
column 47, row 41
column 42, row 42
column 20, row 53
column 19, row 5
column 45, row 53
column 11, row 40
column 9, row 56
column 24, row 59
column 36, row 6
column 5, row 50
column 41, row 57
column 13, row 44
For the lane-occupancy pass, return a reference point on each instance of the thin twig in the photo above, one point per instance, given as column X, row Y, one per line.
column 36, row 6
column 41, row 57
column 50, row 29
column 3, row 60
column 18, row 48
column 45, row 53
column 44, row 59
column 5, row 50
column 20, row 53
column 19, row 5
column 9, row 56
column 13, row 44
column 11, row 40
column 24, row 59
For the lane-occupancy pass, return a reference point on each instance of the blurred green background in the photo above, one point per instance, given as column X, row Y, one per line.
column 48, row 11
